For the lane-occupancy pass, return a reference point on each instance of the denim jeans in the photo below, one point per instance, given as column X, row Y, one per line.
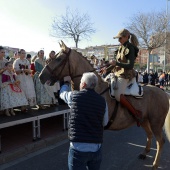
column 84, row 160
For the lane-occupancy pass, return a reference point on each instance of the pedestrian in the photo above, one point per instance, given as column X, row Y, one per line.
column 11, row 93
column 162, row 79
column 123, row 67
column 140, row 77
column 145, row 78
column 89, row 113
column 152, row 78
column 166, row 79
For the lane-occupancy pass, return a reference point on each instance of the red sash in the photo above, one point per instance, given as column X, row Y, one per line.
column 15, row 88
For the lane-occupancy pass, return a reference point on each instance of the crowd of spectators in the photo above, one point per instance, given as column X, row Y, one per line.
column 160, row 79
column 20, row 86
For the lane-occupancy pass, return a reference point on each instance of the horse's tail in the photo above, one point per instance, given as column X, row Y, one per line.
column 167, row 122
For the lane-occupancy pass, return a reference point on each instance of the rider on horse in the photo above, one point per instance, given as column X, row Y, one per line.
column 123, row 68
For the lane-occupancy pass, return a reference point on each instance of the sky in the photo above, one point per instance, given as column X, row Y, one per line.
column 27, row 24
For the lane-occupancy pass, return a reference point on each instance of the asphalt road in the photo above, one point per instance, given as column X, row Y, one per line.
column 120, row 152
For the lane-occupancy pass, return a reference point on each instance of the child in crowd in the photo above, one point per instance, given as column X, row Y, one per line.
column 11, row 94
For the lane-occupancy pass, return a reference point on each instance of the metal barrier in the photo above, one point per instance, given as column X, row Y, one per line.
column 36, row 127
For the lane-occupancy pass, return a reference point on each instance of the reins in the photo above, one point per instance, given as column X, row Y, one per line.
column 104, row 91
column 63, row 64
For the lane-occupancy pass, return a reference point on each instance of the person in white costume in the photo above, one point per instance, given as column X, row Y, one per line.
column 22, row 69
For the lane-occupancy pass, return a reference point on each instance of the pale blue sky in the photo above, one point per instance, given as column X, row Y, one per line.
column 26, row 23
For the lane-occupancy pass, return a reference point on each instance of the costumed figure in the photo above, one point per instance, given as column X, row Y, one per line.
column 11, row 93
column 42, row 96
column 53, row 91
column 2, row 66
column 22, row 68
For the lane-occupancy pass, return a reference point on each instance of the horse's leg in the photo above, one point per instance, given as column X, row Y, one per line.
column 147, row 128
column 157, row 131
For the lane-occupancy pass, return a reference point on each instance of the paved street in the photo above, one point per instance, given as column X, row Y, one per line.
column 120, row 152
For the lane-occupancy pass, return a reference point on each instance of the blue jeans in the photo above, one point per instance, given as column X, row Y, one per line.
column 84, row 160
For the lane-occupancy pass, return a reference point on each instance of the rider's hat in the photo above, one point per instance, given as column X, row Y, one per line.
column 122, row 33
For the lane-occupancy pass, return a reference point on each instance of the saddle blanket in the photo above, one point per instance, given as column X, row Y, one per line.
column 133, row 88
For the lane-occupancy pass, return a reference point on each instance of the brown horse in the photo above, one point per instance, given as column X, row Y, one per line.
column 154, row 104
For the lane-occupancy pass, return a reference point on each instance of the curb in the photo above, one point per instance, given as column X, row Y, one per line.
column 33, row 147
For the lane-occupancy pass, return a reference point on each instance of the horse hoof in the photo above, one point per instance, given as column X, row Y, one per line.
column 142, row 156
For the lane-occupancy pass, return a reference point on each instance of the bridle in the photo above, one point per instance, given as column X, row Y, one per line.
column 63, row 64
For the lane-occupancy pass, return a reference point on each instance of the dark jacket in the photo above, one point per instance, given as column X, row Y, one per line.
column 86, row 117
column 125, row 60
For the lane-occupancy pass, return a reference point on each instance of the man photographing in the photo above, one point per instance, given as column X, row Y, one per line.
column 88, row 115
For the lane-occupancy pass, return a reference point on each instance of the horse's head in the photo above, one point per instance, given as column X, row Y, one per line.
column 58, row 68
column 67, row 63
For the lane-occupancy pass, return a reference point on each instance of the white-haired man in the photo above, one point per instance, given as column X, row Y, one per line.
column 88, row 115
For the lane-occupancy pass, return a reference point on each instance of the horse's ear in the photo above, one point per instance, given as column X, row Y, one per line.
column 64, row 47
column 60, row 45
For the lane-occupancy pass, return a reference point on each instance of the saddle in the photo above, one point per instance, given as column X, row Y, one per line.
column 133, row 88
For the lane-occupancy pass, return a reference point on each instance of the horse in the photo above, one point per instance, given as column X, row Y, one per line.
column 154, row 104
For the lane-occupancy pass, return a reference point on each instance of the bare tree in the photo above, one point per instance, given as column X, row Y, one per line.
column 150, row 28
column 72, row 25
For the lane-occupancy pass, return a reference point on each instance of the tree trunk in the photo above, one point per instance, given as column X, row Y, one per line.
column 76, row 43
column 77, row 40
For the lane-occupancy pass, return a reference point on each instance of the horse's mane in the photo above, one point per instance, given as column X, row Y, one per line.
column 81, row 55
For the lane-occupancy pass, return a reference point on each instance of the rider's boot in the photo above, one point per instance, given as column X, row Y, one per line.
column 136, row 113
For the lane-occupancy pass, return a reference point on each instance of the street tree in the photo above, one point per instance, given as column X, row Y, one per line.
column 72, row 25
column 150, row 28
